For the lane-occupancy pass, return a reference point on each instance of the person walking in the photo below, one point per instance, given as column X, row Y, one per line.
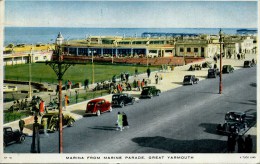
column 86, row 84
column 66, row 100
column 21, row 125
column 231, row 143
column 136, row 72
column 240, row 144
column 139, row 85
column 127, row 77
column 156, row 78
column 142, row 84
column 119, row 121
column 41, row 107
column 148, row 72
column 248, row 144
column 125, row 121
column 57, row 90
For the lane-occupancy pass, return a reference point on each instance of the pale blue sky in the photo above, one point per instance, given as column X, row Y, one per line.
column 189, row 14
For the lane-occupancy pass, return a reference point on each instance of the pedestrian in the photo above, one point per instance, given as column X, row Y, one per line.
column 156, row 78
column 66, row 85
column 125, row 121
column 135, row 83
column 139, row 85
column 114, row 79
column 41, row 107
column 127, row 77
column 77, row 96
column 57, row 89
column 86, row 83
column 122, row 76
column 69, row 84
column 66, row 100
column 142, row 84
column 21, row 125
column 231, row 142
column 240, row 144
column 136, row 72
column 119, row 121
column 148, row 72
column 248, row 144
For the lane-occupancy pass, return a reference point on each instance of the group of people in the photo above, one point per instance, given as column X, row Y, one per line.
column 122, row 121
column 124, row 76
column 243, row 145
column 158, row 78
column 139, row 84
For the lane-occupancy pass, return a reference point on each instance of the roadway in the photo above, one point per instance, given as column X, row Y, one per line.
column 181, row 120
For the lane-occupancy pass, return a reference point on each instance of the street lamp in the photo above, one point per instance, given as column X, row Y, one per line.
column 92, row 61
column 220, row 69
column 147, row 52
column 30, row 72
column 60, row 66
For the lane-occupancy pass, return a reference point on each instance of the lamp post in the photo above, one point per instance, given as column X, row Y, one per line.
column 220, row 66
column 92, row 61
column 147, row 52
column 35, row 146
column 30, row 72
column 60, row 66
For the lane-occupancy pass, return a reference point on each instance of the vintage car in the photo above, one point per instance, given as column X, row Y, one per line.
column 190, row 80
column 212, row 73
column 235, row 122
column 9, row 88
column 227, row 69
column 11, row 136
column 149, row 92
column 52, row 120
column 98, row 106
column 122, row 99
column 247, row 64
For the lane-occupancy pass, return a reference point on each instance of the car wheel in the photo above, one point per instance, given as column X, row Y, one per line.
column 98, row 113
column 21, row 139
column 110, row 109
column 157, row 93
column 122, row 104
column 70, row 123
column 53, row 128
column 132, row 101
column 150, row 95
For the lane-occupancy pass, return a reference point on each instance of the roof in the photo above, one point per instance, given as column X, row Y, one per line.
column 96, row 100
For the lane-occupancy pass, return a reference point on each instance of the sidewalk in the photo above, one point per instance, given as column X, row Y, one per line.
column 171, row 80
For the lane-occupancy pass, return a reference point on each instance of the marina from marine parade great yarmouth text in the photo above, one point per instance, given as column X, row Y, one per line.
column 33, row 35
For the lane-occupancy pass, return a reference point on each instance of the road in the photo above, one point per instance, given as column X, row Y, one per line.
column 182, row 120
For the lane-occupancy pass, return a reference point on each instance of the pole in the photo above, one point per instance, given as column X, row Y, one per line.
column 93, row 76
column 30, row 75
column 60, row 103
column 220, row 67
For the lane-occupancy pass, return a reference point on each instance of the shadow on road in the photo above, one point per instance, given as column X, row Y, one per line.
column 182, row 146
column 253, row 84
column 104, row 127
column 209, row 127
column 78, row 111
column 179, row 83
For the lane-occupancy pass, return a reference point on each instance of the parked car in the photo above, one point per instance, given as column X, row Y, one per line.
column 190, row 80
column 212, row 73
column 227, row 69
column 234, row 123
column 11, row 136
column 122, row 99
column 9, row 88
column 149, row 92
column 53, row 121
column 98, row 106
column 248, row 64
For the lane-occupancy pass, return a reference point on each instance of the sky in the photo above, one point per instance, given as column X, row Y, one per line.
column 132, row 14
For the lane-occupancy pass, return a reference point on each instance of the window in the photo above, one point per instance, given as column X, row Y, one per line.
column 181, row 50
column 36, row 58
column 188, row 49
column 196, row 50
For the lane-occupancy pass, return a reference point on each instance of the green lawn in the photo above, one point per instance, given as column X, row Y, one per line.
column 77, row 73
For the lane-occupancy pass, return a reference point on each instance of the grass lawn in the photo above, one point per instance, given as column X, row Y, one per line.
column 77, row 73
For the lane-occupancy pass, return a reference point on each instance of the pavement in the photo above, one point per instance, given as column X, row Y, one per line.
column 171, row 79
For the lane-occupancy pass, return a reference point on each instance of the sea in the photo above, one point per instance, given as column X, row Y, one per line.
column 34, row 35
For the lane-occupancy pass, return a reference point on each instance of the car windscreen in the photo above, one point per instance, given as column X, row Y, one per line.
column 145, row 88
column 115, row 97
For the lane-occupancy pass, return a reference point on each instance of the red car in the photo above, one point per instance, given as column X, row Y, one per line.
column 98, row 106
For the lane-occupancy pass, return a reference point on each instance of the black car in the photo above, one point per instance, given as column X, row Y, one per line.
column 190, row 80
column 122, row 99
column 247, row 64
column 235, row 122
column 52, row 120
column 150, row 91
column 227, row 69
column 11, row 136
column 212, row 73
